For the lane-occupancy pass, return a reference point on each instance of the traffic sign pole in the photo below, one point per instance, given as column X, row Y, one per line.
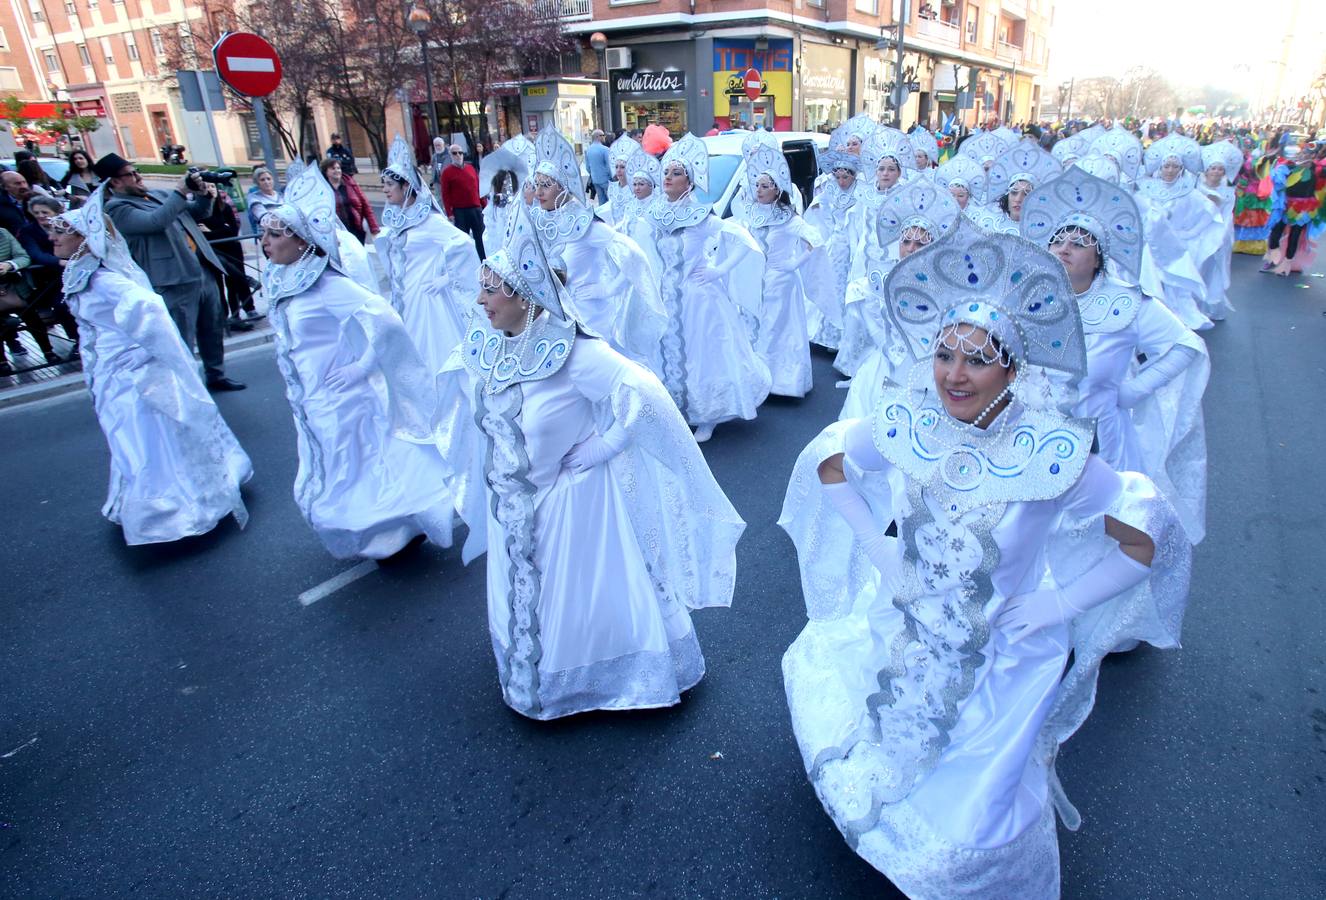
column 264, row 134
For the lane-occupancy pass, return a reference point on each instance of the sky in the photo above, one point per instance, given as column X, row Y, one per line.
column 1191, row 42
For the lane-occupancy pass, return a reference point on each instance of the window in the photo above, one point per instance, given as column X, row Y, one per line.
column 52, row 62
column 4, row 40
column 37, row 14
column 186, row 39
column 107, row 52
column 973, row 20
column 131, row 46
column 9, row 79
column 867, row 6
column 91, row 4
column 69, row 8
column 83, row 56
column 158, row 45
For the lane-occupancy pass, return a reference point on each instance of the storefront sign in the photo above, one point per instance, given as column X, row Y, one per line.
column 825, row 82
column 735, row 59
column 651, row 82
column 536, row 91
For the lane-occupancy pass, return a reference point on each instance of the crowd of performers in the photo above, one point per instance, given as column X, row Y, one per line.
column 1011, row 492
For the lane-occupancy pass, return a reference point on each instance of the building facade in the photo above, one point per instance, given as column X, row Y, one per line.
column 691, row 65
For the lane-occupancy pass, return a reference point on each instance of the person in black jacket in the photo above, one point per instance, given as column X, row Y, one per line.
column 222, row 226
column 342, row 154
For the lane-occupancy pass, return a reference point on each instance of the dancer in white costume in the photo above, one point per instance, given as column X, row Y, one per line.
column 1070, row 149
column 965, row 180
column 432, row 266
column 914, row 217
column 505, row 175
column 176, row 469
column 1223, row 161
column 619, row 189
column 612, row 287
column 1011, row 177
column 370, row 479
column 889, row 154
column 926, row 148
column 601, row 519
column 708, row 269
column 838, row 213
column 983, row 148
column 797, row 272
column 1148, row 418
column 1121, row 146
column 1182, row 228
column 929, row 703
column 645, row 177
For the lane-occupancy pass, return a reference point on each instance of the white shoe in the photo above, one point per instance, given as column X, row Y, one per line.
column 703, row 433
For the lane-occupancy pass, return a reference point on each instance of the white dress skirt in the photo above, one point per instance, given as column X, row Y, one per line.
column 176, row 469
column 928, row 736
column 781, row 336
column 591, row 575
column 839, row 217
column 433, row 272
column 1215, row 270
column 370, row 475
column 708, row 363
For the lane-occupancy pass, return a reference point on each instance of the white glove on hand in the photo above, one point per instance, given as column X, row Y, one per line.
column 1155, row 375
column 1036, row 610
column 878, row 547
column 593, row 451
column 347, row 376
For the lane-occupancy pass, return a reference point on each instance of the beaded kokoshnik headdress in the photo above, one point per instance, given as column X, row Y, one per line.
column 1025, row 162
column 691, row 152
column 557, row 160
column 1174, row 146
column 917, row 205
column 400, row 163
column 963, row 172
column 102, row 245
column 308, row 210
column 1225, row 154
column 645, row 167
column 1018, row 293
column 1103, row 210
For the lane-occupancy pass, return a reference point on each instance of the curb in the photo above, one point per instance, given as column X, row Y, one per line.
column 25, row 394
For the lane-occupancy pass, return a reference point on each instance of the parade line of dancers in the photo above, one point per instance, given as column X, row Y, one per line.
column 1008, row 496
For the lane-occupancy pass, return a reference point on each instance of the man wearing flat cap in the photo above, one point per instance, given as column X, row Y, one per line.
column 161, row 230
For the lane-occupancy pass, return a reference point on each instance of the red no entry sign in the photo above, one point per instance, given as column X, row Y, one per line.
column 754, row 82
column 247, row 63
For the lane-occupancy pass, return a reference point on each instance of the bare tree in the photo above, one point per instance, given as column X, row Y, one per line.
column 1145, row 92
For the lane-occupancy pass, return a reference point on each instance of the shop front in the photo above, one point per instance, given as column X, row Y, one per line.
column 567, row 106
column 741, row 63
column 651, row 98
column 826, row 86
column 655, row 86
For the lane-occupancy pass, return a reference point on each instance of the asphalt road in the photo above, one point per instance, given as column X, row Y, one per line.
column 175, row 724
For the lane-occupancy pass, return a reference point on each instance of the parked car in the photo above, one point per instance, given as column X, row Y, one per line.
column 727, row 169
column 53, row 166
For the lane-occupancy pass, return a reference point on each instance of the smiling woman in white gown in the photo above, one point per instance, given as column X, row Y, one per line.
column 370, row 479
column 176, row 469
column 602, row 522
column 933, row 686
column 432, row 266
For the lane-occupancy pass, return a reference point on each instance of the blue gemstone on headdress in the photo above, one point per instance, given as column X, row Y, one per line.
column 1015, row 277
column 1054, row 468
column 902, row 302
column 1056, row 343
column 1033, row 307
column 974, row 307
column 892, row 432
column 1116, row 312
column 925, row 340
column 973, row 278
column 921, row 276
column 994, row 316
column 922, row 307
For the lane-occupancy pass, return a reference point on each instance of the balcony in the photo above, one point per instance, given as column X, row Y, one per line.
column 1008, row 52
column 939, row 31
column 1015, row 9
column 563, row 10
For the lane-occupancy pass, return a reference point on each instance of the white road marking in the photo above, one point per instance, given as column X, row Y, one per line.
column 22, row 746
column 250, row 64
column 332, row 585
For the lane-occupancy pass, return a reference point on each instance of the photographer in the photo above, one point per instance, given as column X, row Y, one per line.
column 162, row 232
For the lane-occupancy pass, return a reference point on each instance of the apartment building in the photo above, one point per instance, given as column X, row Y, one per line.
column 686, row 63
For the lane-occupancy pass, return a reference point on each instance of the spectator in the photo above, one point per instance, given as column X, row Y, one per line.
column 351, row 205
column 222, row 225
column 263, row 197
column 441, row 159
column 161, row 230
column 600, row 169
column 80, row 180
column 460, row 197
column 36, row 176
column 15, row 291
column 13, row 202
column 342, row 155
column 47, row 268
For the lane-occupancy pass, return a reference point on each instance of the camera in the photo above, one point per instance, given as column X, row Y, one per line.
column 222, row 177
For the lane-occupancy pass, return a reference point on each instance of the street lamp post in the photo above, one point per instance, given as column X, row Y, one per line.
column 599, row 41
column 419, row 22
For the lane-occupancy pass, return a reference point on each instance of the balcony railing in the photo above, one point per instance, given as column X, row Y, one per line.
column 1015, row 8
column 565, row 10
column 1008, row 52
column 939, row 31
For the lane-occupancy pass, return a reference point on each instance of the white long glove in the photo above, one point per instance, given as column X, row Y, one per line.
column 878, row 546
column 348, row 375
column 595, row 450
column 1034, row 611
column 1155, row 375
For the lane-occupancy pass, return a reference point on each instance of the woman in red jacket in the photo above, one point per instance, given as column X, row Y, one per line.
column 351, row 205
